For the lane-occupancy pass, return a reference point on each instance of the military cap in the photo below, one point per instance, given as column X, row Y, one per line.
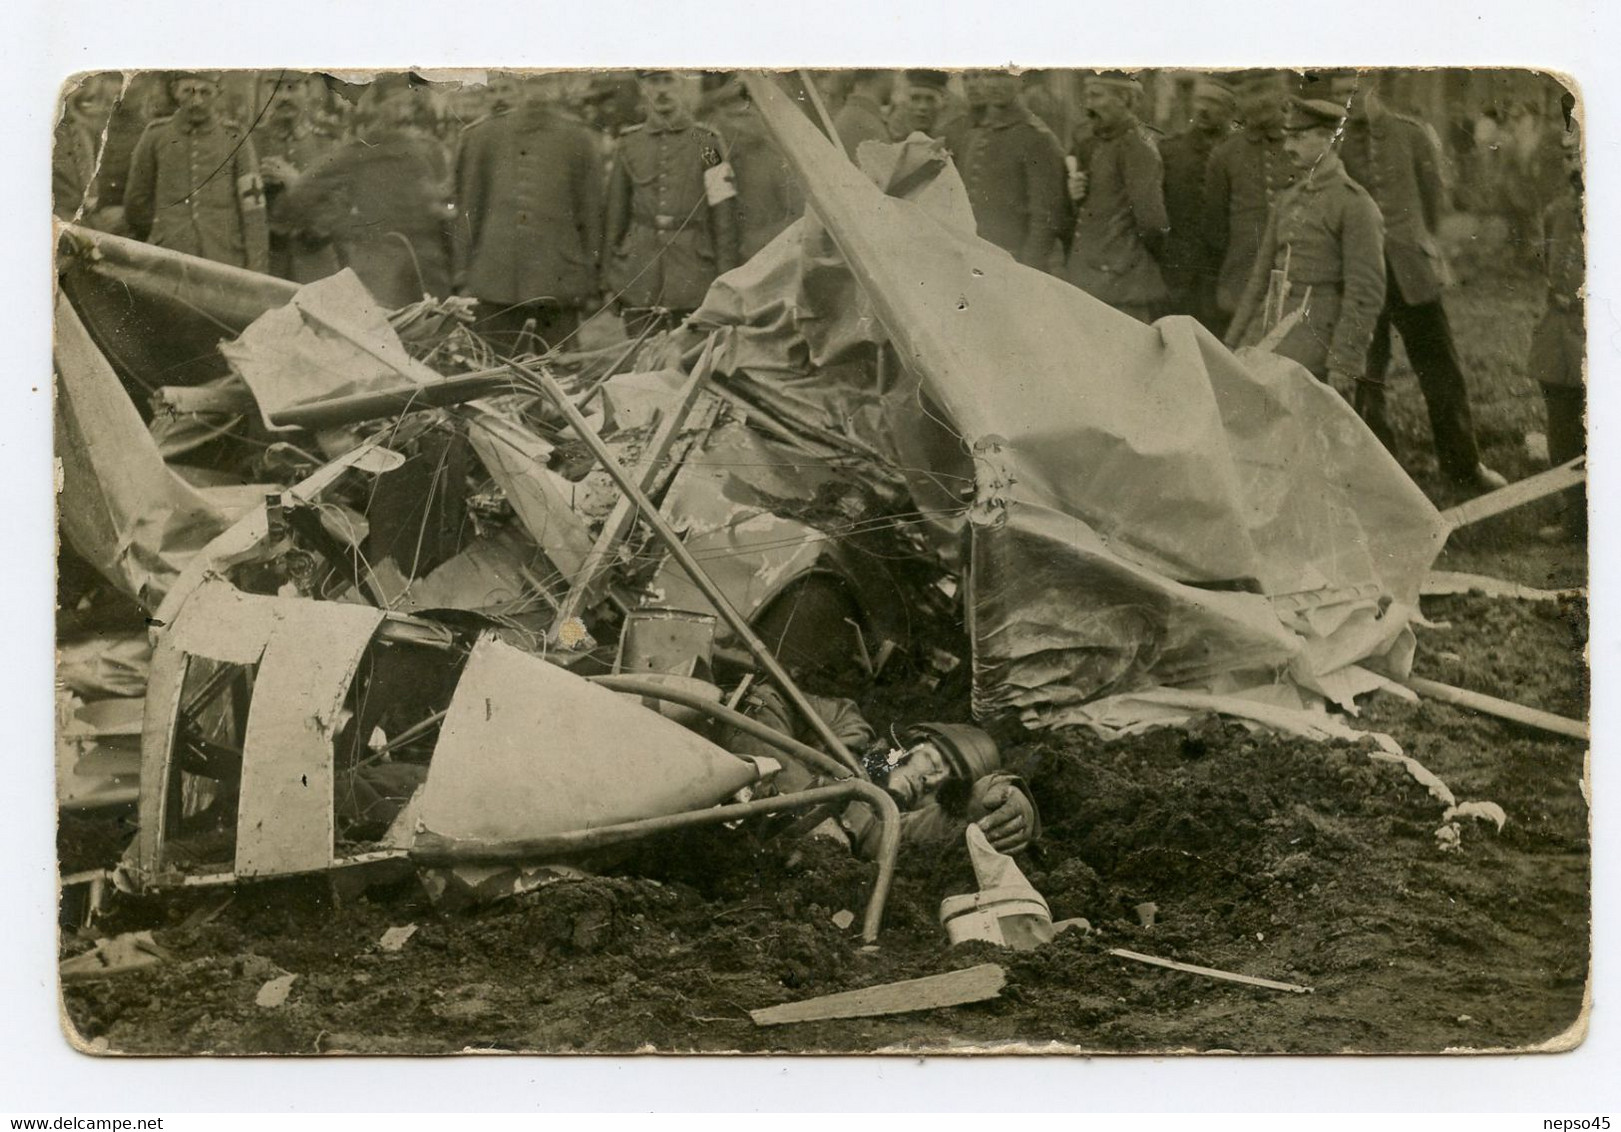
column 215, row 77
column 936, row 80
column 1313, row 114
column 1318, row 84
column 969, row 752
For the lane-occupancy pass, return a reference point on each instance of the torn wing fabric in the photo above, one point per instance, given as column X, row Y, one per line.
column 1149, row 508
column 120, row 507
column 308, row 349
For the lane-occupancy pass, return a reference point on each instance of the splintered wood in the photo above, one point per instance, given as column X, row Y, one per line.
column 1517, row 494
column 954, row 988
column 1208, row 972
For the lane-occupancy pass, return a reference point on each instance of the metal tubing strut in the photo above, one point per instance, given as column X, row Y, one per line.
column 433, row 851
column 793, row 748
column 666, row 534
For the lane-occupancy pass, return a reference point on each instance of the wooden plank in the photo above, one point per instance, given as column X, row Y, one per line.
column 1445, row 583
column 1502, row 709
column 1208, row 972
column 954, row 988
column 1517, row 494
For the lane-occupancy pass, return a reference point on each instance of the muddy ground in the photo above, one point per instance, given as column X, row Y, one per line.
column 1304, row 863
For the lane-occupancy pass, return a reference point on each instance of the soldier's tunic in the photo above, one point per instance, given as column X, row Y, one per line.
column 302, row 146
column 1398, row 161
column 195, row 188
column 73, row 170
column 1242, row 179
column 1122, row 213
column 860, row 119
column 671, row 216
column 1044, row 104
column 1325, row 233
column 1559, row 343
column 529, row 191
column 769, row 197
column 1188, row 264
column 1013, row 168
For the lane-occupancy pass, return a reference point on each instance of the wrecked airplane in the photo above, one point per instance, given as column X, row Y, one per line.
column 410, row 603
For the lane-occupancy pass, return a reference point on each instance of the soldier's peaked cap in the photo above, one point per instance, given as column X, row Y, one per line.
column 936, row 80
column 214, row 77
column 1313, row 114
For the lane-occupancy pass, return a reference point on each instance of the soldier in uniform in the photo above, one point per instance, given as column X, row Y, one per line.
column 529, row 194
column 769, row 197
column 1117, row 183
column 1013, row 168
column 861, row 118
column 1188, row 264
column 672, row 210
column 1398, row 161
column 1558, row 345
column 291, row 143
column 85, row 112
column 382, row 198
column 925, row 108
column 1243, row 177
column 194, row 183
column 1322, row 255
column 1040, row 100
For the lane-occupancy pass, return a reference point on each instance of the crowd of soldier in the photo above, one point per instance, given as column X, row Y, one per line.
column 1298, row 211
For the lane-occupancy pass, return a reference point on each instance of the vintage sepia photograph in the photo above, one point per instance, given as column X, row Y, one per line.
column 908, row 560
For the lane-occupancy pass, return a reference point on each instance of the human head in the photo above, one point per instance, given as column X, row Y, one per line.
column 90, row 102
column 195, row 94
column 467, row 102
column 506, row 91
column 661, row 92
column 1111, row 99
column 1311, row 130
column 925, row 95
column 996, row 88
column 875, row 84
column 1352, row 92
column 1214, row 106
column 1261, row 98
column 936, row 752
column 391, row 102
column 540, row 90
column 289, row 96
column 920, row 771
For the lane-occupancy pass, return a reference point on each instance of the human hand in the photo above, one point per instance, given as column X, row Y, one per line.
column 1008, row 817
column 1077, row 186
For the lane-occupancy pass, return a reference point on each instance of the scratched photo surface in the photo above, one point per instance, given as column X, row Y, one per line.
column 821, row 561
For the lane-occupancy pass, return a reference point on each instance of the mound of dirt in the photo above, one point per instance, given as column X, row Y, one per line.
column 1305, row 863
